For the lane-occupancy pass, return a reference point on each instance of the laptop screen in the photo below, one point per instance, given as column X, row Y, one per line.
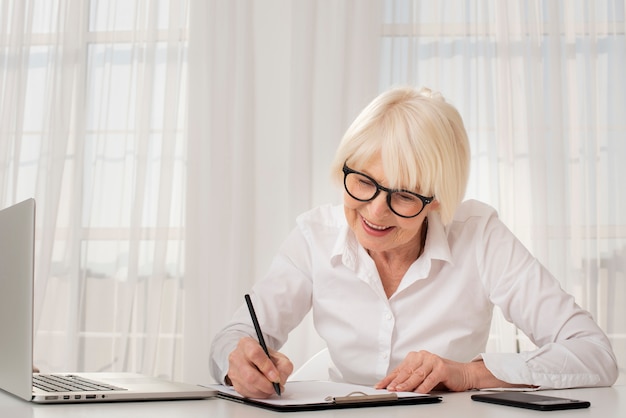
column 17, row 246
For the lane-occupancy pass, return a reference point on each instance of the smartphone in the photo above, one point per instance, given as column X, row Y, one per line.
column 530, row 401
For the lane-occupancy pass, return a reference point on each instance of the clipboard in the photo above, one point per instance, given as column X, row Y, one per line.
column 321, row 395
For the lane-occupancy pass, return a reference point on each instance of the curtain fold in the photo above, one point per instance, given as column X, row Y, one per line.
column 221, row 171
column 271, row 99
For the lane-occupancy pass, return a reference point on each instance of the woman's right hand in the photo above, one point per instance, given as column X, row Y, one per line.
column 252, row 373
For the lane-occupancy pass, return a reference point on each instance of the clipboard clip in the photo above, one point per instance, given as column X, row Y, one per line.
column 361, row 397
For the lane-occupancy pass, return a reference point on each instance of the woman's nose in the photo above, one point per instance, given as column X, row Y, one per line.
column 378, row 206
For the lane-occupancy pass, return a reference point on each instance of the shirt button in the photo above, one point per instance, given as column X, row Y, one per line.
column 388, row 316
column 385, row 356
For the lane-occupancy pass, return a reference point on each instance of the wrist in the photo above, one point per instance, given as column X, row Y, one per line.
column 479, row 377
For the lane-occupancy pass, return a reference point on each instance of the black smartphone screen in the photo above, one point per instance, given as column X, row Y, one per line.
column 530, row 401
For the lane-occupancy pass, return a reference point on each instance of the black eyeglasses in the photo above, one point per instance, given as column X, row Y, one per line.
column 363, row 188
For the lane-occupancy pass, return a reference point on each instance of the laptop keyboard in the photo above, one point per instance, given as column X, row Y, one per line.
column 69, row 383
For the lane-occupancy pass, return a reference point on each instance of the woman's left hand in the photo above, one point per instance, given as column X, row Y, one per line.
column 423, row 371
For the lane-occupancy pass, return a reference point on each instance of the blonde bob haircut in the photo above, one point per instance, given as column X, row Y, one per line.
column 421, row 141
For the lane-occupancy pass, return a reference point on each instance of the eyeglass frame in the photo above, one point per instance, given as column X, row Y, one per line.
column 425, row 200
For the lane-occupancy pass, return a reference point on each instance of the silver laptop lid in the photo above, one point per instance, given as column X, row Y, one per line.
column 17, row 248
column 17, row 259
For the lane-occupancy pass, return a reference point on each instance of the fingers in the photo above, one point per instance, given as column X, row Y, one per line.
column 422, row 380
column 252, row 373
column 418, row 380
column 282, row 364
column 245, row 376
column 419, row 372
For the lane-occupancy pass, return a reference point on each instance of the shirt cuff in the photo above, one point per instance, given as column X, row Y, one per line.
column 508, row 367
column 515, row 368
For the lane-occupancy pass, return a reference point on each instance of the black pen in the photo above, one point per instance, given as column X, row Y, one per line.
column 259, row 334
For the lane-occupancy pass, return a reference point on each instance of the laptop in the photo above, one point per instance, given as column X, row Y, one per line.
column 17, row 248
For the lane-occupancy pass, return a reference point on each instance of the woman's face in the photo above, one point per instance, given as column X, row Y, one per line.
column 376, row 227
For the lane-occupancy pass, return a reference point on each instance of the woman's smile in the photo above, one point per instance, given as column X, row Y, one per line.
column 373, row 228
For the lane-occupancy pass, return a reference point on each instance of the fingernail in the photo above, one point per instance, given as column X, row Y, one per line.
column 274, row 377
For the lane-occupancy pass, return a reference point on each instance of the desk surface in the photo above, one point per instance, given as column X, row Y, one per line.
column 605, row 403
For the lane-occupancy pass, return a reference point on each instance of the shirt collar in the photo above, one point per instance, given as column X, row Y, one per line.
column 346, row 248
column 437, row 246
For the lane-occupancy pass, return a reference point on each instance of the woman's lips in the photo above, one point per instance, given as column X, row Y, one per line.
column 374, row 228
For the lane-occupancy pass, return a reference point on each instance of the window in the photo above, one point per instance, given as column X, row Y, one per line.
column 103, row 147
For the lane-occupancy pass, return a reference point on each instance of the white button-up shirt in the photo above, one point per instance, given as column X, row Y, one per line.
column 443, row 305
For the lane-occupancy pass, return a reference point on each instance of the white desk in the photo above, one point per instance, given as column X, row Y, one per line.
column 605, row 403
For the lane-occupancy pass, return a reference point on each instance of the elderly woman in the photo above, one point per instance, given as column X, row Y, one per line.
column 403, row 277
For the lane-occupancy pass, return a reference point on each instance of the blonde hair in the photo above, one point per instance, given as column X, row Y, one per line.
column 421, row 141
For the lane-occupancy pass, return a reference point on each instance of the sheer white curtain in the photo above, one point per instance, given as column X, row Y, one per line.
column 92, row 109
column 540, row 85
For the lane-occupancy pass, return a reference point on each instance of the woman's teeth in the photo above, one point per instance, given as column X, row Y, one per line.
column 376, row 227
